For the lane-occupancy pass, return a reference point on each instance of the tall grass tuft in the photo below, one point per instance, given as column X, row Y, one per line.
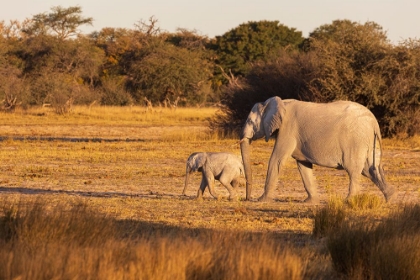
column 329, row 218
column 390, row 250
column 38, row 241
column 364, row 202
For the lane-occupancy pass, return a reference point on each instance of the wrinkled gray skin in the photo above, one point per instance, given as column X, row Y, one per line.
column 225, row 167
column 342, row 135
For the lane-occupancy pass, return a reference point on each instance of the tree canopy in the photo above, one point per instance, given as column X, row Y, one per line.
column 253, row 41
column 342, row 61
column 47, row 60
column 61, row 22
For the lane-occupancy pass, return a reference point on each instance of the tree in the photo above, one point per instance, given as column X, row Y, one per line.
column 115, row 42
column 359, row 64
column 58, row 68
column 163, row 72
column 166, row 73
column 13, row 87
column 63, row 23
column 342, row 61
column 251, row 42
column 346, row 32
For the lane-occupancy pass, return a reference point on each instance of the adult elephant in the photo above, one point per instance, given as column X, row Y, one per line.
column 342, row 135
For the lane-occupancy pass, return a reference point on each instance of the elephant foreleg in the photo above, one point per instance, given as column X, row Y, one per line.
column 273, row 173
column 211, row 189
column 209, row 177
column 309, row 182
column 202, row 188
column 281, row 152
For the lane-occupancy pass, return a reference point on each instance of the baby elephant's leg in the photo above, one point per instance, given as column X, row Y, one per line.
column 235, row 183
column 211, row 189
column 202, row 188
column 226, row 182
column 209, row 178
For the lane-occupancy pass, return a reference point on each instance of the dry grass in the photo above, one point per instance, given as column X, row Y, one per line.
column 85, row 167
column 71, row 241
column 388, row 250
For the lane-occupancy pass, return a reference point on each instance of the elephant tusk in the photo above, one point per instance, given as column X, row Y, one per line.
column 245, row 139
column 239, row 142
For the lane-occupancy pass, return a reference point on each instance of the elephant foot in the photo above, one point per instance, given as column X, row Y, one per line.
column 265, row 198
column 311, row 200
column 390, row 195
column 233, row 197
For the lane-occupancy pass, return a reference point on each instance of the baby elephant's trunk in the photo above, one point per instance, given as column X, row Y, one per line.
column 187, row 176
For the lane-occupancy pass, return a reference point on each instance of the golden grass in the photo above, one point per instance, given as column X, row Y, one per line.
column 72, row 241
column 388, row 250
column 85, row 160
column 110, row 116
column 364, row 201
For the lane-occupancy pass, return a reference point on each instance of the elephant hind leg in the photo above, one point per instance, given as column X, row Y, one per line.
column 309, row 182
column 235, row 183
column 228, row 186
column 376, row 175
column 211, row 188
column 354, row 176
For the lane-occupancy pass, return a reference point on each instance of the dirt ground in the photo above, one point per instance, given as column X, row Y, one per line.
column 137, row 173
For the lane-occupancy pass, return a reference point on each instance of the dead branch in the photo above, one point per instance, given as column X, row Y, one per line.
column 234, row 81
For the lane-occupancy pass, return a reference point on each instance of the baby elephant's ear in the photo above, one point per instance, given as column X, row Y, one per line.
column 273, row 115
column 198, row 161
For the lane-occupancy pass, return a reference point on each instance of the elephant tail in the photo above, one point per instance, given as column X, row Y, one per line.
column 376, row 170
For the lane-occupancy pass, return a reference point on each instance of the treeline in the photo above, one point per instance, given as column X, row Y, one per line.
column 46, row 61
column 339, row 61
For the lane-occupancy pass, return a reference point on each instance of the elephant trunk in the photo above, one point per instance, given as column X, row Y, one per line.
column 245, row 142
column 187, row 176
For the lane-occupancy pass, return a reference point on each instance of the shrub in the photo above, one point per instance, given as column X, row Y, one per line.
column 396, row 258
column 113, row 93
column 288, row 77
column 364, row 202
column 349, row 247
column 14, row 91
column 329, row 218
column 389, row 250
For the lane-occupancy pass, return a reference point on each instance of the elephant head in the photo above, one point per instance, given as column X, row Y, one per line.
column 263, row 120
column 195, row 162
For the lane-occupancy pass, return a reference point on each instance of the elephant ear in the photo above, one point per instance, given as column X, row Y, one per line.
column 197, row 161
column 273, row 115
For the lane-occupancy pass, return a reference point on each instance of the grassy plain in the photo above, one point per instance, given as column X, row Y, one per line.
column 122, row 170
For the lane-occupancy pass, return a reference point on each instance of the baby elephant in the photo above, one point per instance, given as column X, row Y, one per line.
column 225, row 167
